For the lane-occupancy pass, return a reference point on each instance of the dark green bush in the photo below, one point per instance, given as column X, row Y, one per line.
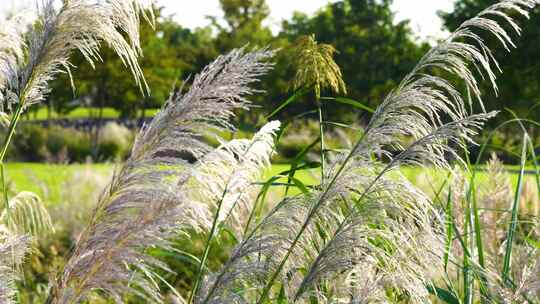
column 36, row 143
column 29, row 143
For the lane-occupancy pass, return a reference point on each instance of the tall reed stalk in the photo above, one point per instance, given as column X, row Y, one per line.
column 33, row 53
column 149, row 200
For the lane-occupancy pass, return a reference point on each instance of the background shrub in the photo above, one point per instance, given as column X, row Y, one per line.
column 55, row 144
column 114, row 142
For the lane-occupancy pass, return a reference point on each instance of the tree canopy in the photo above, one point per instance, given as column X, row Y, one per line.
column 373, row 50
column 171, row 52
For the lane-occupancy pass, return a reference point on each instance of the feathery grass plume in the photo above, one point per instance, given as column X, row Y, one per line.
column 147, row 202
column 382, row 232
column 495, row 198
column 530, row 198
column 226, row 177
column 421, row 100
column 363, row 286
column 39, row 55
column 526, row 285
column 27, row 215
column 12, row 54
column 244, row 268
column 31, row 56
column 12, row 251
column 362, row 218
column 329, row 252
column 407, row 242
column 453, row 54
column 316, row 66
column 417, row 110
column 218, row 90
column 226, row 182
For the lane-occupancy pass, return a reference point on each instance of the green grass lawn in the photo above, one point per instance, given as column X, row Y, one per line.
column 81, row 113
column 47, row 180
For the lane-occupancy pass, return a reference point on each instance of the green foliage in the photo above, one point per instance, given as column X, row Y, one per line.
column 244, row 24
column 170, row 52
column 61, row 145
column 374, row 52
column 80, row 113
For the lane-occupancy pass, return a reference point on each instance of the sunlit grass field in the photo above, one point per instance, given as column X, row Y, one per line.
column 47, row 180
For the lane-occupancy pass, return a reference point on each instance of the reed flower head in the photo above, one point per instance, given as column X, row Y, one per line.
column 26, row 215
column 34, row 53
column 148, row 200
column 226, row 177
column 31, row 57
column 495, row 198
column 13, row 249
column 316, row 66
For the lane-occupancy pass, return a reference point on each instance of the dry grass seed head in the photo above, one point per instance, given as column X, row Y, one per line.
column 148, row 199
column 226, row 177
column 30, row 60
column 13, row 249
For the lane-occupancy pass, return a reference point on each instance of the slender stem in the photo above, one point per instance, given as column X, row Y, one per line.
column 315, row 208
column 7, row 141
column 11, row 131
column 449, row 223
column 206, row 250
column 321, row 134
column 514, row 217
column 4, row 190
column 213, row 230
column 468, row 242
column 260, row 199
column 476, row 229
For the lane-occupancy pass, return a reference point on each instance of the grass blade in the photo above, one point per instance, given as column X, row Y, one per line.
column 513, row 223
column 449, row 228
column 290, row 100
column 298, row 158
column 350, row 102
column 443, row 295
column 321, row 135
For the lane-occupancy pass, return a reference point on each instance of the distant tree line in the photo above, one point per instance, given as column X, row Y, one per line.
column 375, row 52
